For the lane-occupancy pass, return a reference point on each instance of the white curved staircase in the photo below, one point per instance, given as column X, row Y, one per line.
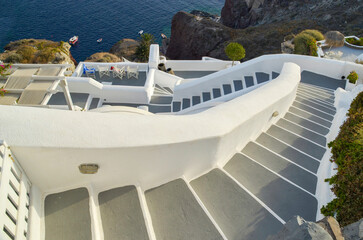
column 260, row 188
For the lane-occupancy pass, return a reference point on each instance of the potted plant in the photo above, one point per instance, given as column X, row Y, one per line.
column 5, row 69
column 352, row 80
column 2, row 92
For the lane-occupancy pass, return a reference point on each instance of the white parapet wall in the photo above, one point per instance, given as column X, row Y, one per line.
column 143, row 150
column 267, row 63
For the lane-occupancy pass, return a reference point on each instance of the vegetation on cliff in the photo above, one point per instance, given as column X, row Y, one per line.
column 103, row 57
column 305, row 42
column 143, row 49
column 37, row 51
column 347, row 150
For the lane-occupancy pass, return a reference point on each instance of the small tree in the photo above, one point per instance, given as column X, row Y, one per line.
column 142, row 51
column 235, row 52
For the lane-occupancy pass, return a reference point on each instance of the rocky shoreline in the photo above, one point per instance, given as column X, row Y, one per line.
column 259, row 25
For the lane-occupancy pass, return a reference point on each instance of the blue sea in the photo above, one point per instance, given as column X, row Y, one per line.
column 111, row 20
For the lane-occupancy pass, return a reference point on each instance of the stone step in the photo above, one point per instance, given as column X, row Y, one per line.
column 306, row 123
column 316, row 100
column 316, row 90
column 161, row 99
column 315, row 87
column 249, row 81
column 159, row 108
column 272, row 161
column 282, row 197
column 206, row 96
column 310, row 116
column 237, row 85
column 169, row 90
column 227, row 89
column 275, row 75
column 216, row 92
column 262, row 77
column 236, row 212
column 176, row 214
column 316, row 105
column 176, row 106
column 67, row 215
column 185, row 103
column 292, row 127
column 288, row 152
column 94, row 103
column 195, row 100
column 317, row 96
column 321, row 80
column 121, row 214
column 313, row 111
column 297, row 142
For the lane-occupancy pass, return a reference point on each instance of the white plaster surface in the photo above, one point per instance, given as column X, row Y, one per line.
column 136, row 149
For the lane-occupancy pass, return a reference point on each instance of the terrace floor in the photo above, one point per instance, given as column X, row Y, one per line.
column 192, row 74
column 343, row 53
column 140, row 81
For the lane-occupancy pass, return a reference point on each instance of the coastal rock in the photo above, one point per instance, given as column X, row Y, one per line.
column 245, row 13
column 353, row 231
column 38, row 51
column 203, row 14
column 260, row 26
column 331, row 225
column 193, row 37
column 235, row 13
column 125, row 48
column 298, row 228
column 103, row 57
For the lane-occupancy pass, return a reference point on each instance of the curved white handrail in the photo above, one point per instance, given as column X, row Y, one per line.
column 136, row 149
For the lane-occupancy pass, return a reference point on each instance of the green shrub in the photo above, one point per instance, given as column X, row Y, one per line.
column 347, row 153
column 27, row 52
column 353, row 77
column 14, row 58
column 314, row 33
column 235, row 51
column 289, row 37
column 142, row 51
column 305, row 42
column 313, row 48
column 301, row 43
column 46, row 55
column 355, row 41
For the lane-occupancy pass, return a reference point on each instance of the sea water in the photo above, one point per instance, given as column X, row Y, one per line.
column 111, row 20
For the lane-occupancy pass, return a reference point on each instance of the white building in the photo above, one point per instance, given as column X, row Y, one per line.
column 213, row 152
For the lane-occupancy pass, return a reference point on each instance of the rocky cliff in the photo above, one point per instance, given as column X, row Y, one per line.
column 342, row 15
column 260, row 26
column 193, row 37
column 38, row 51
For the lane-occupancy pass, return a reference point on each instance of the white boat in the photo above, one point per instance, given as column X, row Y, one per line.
column 217, row 152
column 141, row 32
column 99, row 40
column 73, row 40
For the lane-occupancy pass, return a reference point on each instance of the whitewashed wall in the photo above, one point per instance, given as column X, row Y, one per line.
column 141, row 150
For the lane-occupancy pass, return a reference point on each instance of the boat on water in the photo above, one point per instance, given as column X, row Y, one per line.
column 99, row 40
column 141, row 32
column 73, row 40
column 163, row 36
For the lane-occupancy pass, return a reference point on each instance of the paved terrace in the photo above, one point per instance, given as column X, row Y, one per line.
column 140, row 81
